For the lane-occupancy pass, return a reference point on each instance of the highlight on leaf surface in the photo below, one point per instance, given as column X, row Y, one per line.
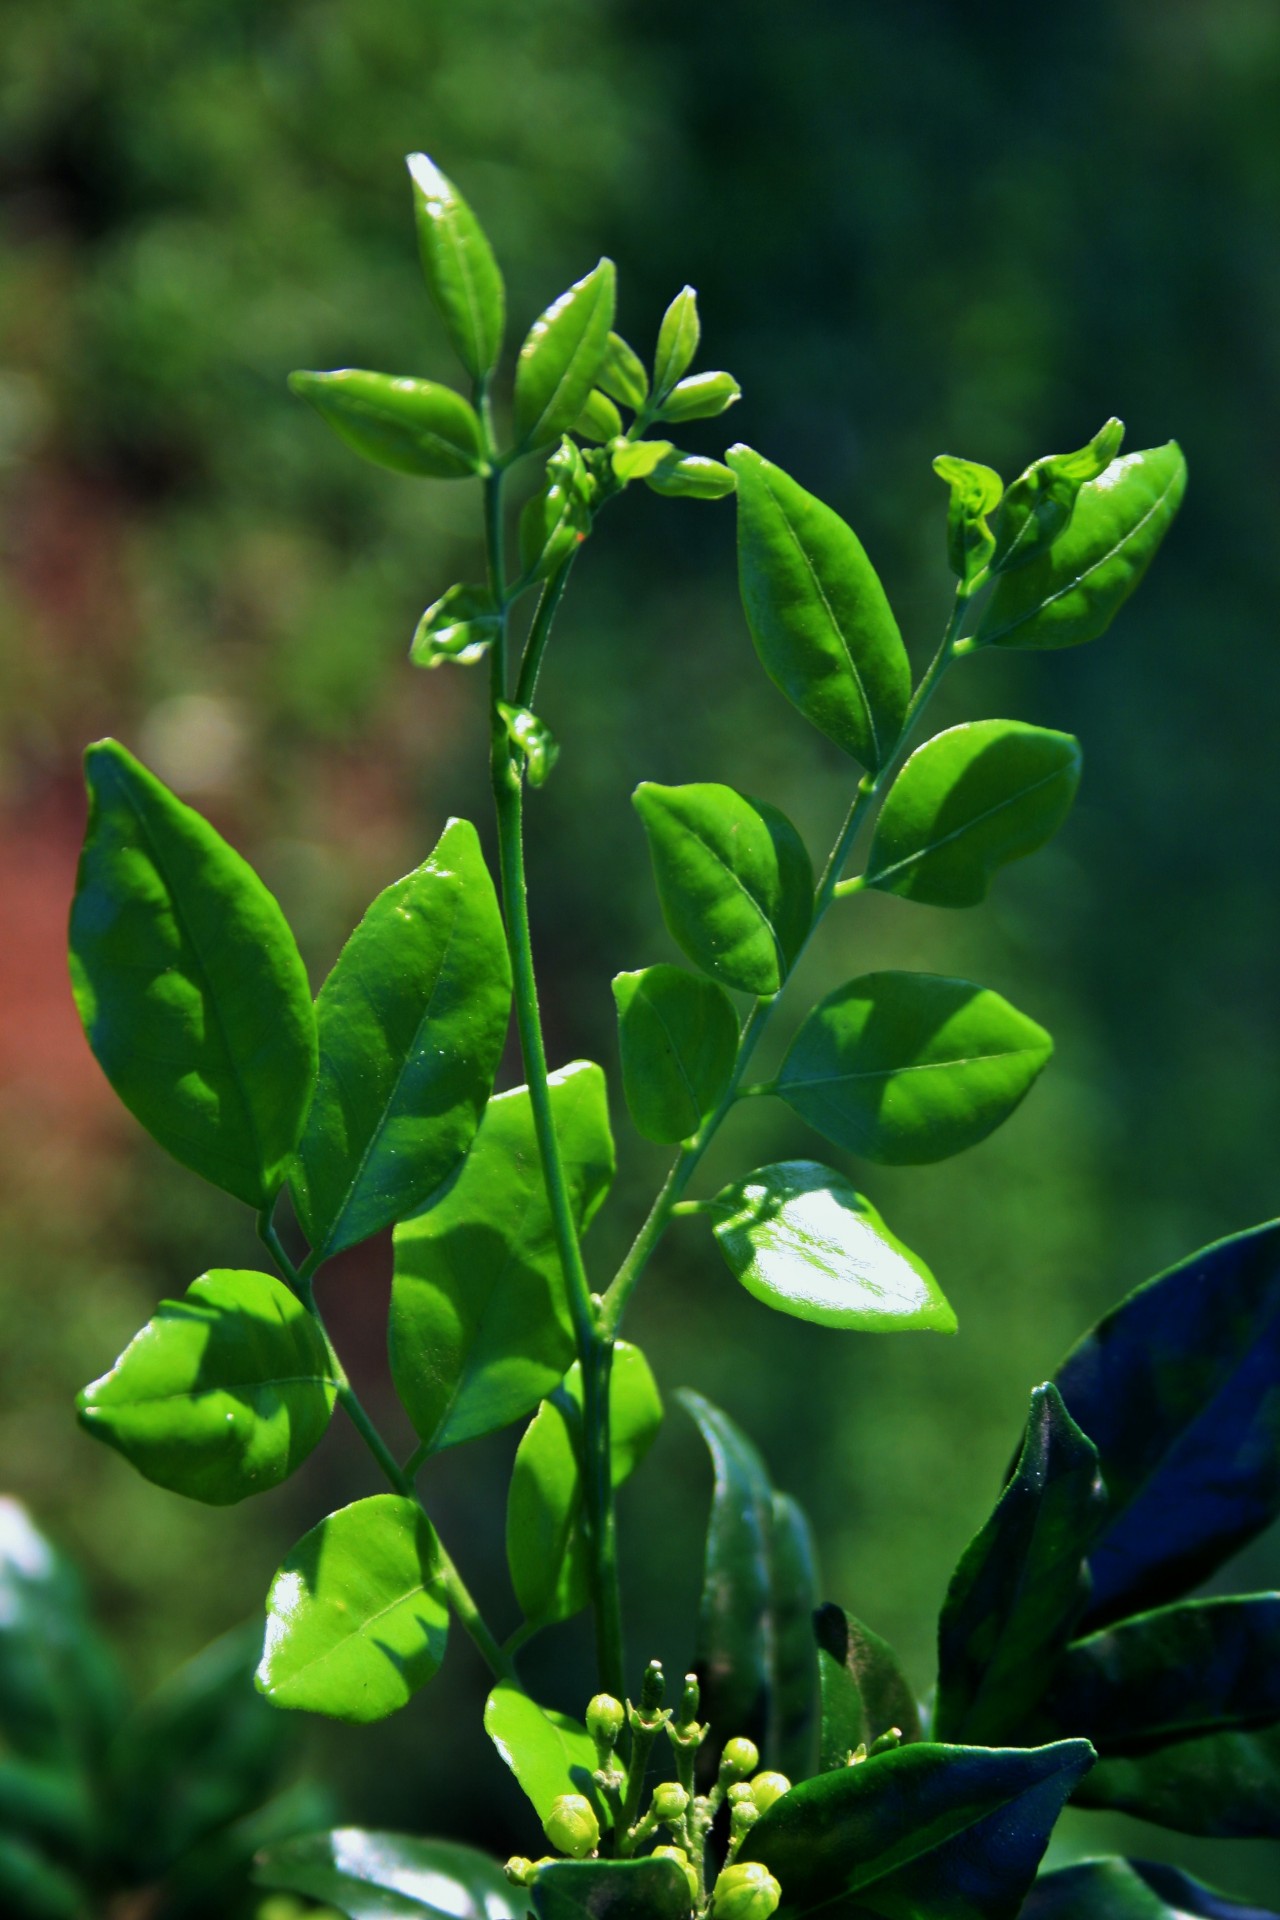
column 975, row 492
column 412, row 426
column 460, row 626
column 561, row 356
column 549, row 1753
column 690, row 476
column 801, row 1239
column 1038, row 505
column 390, row 1876
column 678, row 336
column 461, row 272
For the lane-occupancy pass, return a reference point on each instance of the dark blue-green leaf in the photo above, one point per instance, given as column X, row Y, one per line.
column 652, row 1889
column 189, row 984
column 678, row 1036
column 459, row 266
column 1225, row 1786
column 412, row 1022
column 412, row 426
column 792, row 1741
column 1130, row 1890
column 864, row 1692
column 391, row 1876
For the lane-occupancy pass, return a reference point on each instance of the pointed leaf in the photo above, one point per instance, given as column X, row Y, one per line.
column 800, row 1238
column 460, row 269
column 599, row 419
column 553, row 524
column 1130, row 1890
column 651, row 1889
column 975, row 492
column 412, row 1022
column 864, row 1691
column 460, row 626
column 391, row 1876
column 560, row 358
column 1021, row 1585
column 689, row 476
column 546, row 1549
column 678, row 337
column 678, row 1037
column 548, row 1752
column 480, row 1327
column 794, row 1592
column 412, row 426
column 637, row 459
column 1039, row 503
column 222, row 1394
column 952, row 1832
column 965, row 804
column 1073, row 592
column 356, row 1620
column 1225, row 1786
column 821, row 623
column 906, row 1068
column 187, row 979
column 701, row 397
column 734, row 881
column 1176, row 1388
column 533, row 745
column 622, row 374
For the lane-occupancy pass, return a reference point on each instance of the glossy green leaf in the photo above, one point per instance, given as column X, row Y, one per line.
column 556, row 521
column 222, row 1394
column 733, row 878
column 460, row 269
column 650, row 1889
column 1021, row 1585
column 965, row 804
column 975, row 492
column 678, row 337
column 460, row 626
column 823, row 629
column 752, row 1581
column 906, row 1068
column 793, row 1732
column 678, row 1036
column 801, row 1239
column 636, row 459
column 560, row 358
column 599, row 419
column 533, row 742
column 391, row 1876
column 701, row 397
column 189, row 984
column 1073, row 592
column 690, row 476
column 546, row 1548
column 480, row 1327
column 1130, row 1890
column 622, row 374
column 1176, row 1388
column 954, row 1833
column 60, row 1694
column 412, row 1023
column 1038, row 505
column 412, row 426
column 864, row 1692
column 356, row 1620
column 549, row 1753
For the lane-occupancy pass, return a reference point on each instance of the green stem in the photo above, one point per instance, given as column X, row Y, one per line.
column 540, row 631
column 670, row 1195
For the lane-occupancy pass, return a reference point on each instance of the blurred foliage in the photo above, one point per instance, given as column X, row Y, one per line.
column 914, row 228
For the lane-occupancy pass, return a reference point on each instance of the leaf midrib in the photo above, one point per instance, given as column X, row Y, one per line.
column 892, row 1073
column 967, row 826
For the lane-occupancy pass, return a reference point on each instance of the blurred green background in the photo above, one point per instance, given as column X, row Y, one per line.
column 914, row 228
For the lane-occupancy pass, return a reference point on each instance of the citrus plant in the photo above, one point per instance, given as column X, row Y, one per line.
column 791, row 1770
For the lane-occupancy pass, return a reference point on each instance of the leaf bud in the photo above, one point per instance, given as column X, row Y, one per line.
column 606, row 1718
column 670, row 1801
column 572, row 1826
column 885, row 1742
column 768, row 1787
column 677, row 341
column 690, row 1700
column 745, row 1892
column 701, row 397
column 652, row 1687
column 739, row 1759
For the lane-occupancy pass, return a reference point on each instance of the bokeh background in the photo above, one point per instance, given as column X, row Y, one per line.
column 914, row 228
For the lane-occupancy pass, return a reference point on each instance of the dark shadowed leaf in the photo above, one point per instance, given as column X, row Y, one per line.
column 61, row 1699
column 678, row 1036
column 794, row 1729
column 1225, row 1786
column 864, row 1691
column 391, row 1876
column 1130, row 1890
column 652, row 1889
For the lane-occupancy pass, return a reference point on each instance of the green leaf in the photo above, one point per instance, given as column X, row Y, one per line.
column 965, row 804
column 412, row 426
column 356, row 1620
column 1021, row 1585
column 560, row 358
column 1039, row 504
column 622, row 374
column 678, row 1036
column 1073, row 592
column 637, row 459
column 1176, row 1388
column 532, row 741
column 701, row 397
column 552, row 524
column 391, row 1876
column 546, row 1548
column 222, row 1394
column 1225, row 1786
column 690, row 476
column 460, row 626
column 480, row 1327
column 906, row 1068
column 61, row 1699
column 733, row 878
column 678, row 337
column 460, row 269
column 412, row 1023
column 794, row 1592
column 864, row 1691
column 758, row 1576
column 802, row 1240
column 33, row 1888
column 190, row 987
column 975, row 492
column 599, row 419
column 548, row 1752
column 952, row 1832
column 1130, row 1890
column 652, row 1889
column 823, row 629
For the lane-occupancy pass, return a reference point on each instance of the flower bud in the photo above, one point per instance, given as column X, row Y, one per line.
column 520, row 1871
column 740, row 1758
column 605, row 1719
column 745, row 1892
column 742, row 1818
column 682, row 1860
column 572, row 1826
column 738, row 1792
column 768, row 1787
column 670, row 1801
